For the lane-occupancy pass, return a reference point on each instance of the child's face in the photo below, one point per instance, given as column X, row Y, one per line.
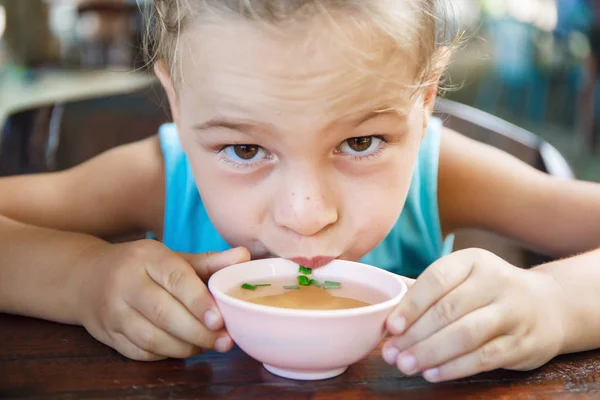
column 289, row 154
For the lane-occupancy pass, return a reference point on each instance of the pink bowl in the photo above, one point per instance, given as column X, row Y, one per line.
column 305, row 344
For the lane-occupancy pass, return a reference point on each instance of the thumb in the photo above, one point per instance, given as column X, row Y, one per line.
column 206, row 264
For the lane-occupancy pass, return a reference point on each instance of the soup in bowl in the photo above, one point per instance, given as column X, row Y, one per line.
column 306, row 324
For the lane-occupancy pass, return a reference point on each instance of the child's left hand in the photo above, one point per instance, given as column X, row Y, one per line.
column 472, row 312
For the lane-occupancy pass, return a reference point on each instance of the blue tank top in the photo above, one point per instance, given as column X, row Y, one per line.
column 412, row 245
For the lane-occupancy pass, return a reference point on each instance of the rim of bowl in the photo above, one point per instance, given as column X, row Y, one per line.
column 347, row 312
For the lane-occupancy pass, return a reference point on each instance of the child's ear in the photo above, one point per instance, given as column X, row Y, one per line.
column 162, row 72
column 442, row 58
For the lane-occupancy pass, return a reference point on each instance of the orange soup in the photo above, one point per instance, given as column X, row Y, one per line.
column 285, row 294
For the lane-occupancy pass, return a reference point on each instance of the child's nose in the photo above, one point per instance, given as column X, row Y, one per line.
column 305, row 206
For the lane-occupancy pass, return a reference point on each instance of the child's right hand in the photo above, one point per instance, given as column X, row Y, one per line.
column 149, row 302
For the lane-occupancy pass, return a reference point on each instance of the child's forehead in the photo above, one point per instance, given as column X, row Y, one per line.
column 235, row 62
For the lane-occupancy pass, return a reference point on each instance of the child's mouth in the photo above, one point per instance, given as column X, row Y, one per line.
column 312, row 262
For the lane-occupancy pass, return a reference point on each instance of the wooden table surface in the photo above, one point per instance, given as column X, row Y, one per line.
column 40, row 359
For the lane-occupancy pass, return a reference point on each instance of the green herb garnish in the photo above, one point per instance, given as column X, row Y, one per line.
column 315, row 282
column 248, row 286
column 289, row 287
column 303, row 280
column 332, row 283
column 328, row 287
column 305, row 271
column 262, row 284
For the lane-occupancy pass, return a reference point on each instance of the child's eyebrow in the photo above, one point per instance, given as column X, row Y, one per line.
column 243, row 126
column 360, row 118
column 375, row 114
column 246, row 126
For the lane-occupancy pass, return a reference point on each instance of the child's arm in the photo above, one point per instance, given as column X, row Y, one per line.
column 482, row 187
column 579, row 280
column 117, row 192
column 139, row 297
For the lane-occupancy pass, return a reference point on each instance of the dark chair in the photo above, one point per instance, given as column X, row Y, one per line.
column 58, row 136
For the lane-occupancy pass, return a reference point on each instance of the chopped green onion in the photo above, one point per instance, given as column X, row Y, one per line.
column 304, row 270
column 303, row 280
column 289, row 287
column 315, row 282
column 248, row 286
column 327, row 287
column 262, row 284
column 332, row 283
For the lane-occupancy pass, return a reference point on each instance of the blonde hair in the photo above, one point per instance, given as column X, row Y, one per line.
column 412, row 27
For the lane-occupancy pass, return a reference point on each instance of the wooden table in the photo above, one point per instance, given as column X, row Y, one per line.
column 39, row 359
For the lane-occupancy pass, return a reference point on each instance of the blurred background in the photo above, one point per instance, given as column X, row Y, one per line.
column 533, row 63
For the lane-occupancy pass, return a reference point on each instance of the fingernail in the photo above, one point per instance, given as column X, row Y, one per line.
column 397, row 325
column 213, row 320
column 223, row 343
column 390, row 354
column 407, row 364
column 432, row 375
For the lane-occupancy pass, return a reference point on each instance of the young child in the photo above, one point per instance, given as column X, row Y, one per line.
column 303, row 129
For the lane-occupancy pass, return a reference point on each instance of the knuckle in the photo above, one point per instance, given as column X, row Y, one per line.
column 427, row 355
column 439, row 277
column 408, row 303
column 406, row 340
column 469, row 333
column 488, row 356
column 147, row 340
column 160, row 315
column 205, row 255
column 133, row 255
column 410, row 306
column 175, row 279
column 201, row 301
column 141, row 249
column 477, row 255
column 522, row 343
column 141, row 355
column 445, row 312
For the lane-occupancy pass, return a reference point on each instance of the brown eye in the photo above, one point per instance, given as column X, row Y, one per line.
column 246, row 151
column 360, row 144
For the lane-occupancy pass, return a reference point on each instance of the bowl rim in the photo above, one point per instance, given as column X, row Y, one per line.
column 320, row 314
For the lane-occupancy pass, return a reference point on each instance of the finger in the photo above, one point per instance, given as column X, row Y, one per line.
column 130, row 350
column 180, row 281
column 151, row 339
column 495, row 354
column 164, row 311
column 436, row 281
column 206, row 264
column 461, row 301
column 460, row 338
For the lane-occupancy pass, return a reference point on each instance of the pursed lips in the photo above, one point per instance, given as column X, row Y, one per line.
column 312, row 262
